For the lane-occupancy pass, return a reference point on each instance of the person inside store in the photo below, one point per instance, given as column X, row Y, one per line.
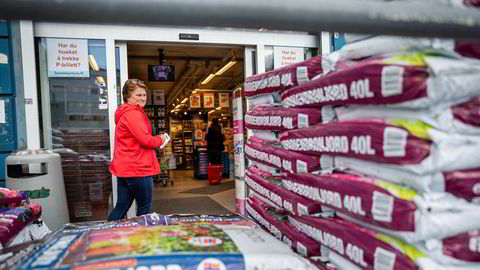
column 215, row 143
column 134, row 158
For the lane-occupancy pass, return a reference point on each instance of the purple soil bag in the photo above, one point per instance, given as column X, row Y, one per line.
column 386, row 207
column 279, row 195
column 468, row 48
column 366, row 139
column 363, row 247
column 468, row 112
column 409, row 80
column 283, row 78
column 278, row 118
column 279, row 158
column 13, row 220
column 463, row 118
column 10, row 197
column 464, row 247
column 409, row 146
column 299, row 242
column 463, row 184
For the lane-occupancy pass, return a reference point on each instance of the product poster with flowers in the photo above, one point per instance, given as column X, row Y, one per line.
column 208, row 101
column 195, row 101
column 224, row 100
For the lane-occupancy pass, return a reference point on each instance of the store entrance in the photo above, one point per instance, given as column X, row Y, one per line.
column 190, row 86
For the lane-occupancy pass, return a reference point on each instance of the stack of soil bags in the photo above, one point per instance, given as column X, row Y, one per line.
column 384, row 172
column 16, row 213
column 157, row 242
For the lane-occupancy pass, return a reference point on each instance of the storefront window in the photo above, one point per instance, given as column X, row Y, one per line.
column 75, row 120
column 269, row 56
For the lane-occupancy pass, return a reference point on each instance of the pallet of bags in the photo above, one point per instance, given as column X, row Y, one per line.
column 368, row 249
column 275, row 222
column 401, row 151
column 270, row 190
column 388, row 208
column 184, row 246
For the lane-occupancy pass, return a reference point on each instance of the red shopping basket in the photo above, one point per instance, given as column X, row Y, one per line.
column 214, row 174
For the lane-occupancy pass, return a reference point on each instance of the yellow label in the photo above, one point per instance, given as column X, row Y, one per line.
column 398, row 191
column 417, row 128
column 411, row 59
column 408, row 250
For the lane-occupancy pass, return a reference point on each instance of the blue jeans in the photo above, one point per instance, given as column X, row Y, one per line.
column 128, row 189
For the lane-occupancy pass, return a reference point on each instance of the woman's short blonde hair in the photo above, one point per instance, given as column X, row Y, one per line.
column 130, row 86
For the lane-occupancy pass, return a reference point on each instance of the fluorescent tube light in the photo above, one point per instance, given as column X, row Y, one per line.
column 219, row 108
column 184, row 100
column 226, row 67
column 209, row 78
column 93, row 62
column 211, row 111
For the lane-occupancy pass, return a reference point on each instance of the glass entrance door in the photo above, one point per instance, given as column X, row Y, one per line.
column 75, row 120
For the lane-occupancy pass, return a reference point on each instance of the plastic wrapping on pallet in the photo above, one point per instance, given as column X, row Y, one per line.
column 282, row 78
column 410, row 80
column 462, row 118
column 188, row 246
column 279, row 118
column 386, row 207
column 279, row 195
column 285, row 160
column 406, row 145
column 281, row 229
column 155, row 219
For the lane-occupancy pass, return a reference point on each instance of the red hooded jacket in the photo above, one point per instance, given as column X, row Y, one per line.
column 134, row 154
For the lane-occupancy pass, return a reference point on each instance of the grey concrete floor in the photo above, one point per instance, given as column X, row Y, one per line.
column 183, row 180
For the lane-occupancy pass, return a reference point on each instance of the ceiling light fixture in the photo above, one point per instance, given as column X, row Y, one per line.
column 199, row 112
column 185, row 113
column 178, row 106
column 219, row 108
column 211, row 111
column 226, row 67
column 93, row 62
column 184, row 100
column 195, row 91
column 172, row 110
column 209, row 78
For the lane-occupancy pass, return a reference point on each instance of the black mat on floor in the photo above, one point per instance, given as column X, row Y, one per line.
column 193, row 205
column 212, row 189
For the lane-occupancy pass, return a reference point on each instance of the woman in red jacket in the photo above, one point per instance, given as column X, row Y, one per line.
column 134, row 158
